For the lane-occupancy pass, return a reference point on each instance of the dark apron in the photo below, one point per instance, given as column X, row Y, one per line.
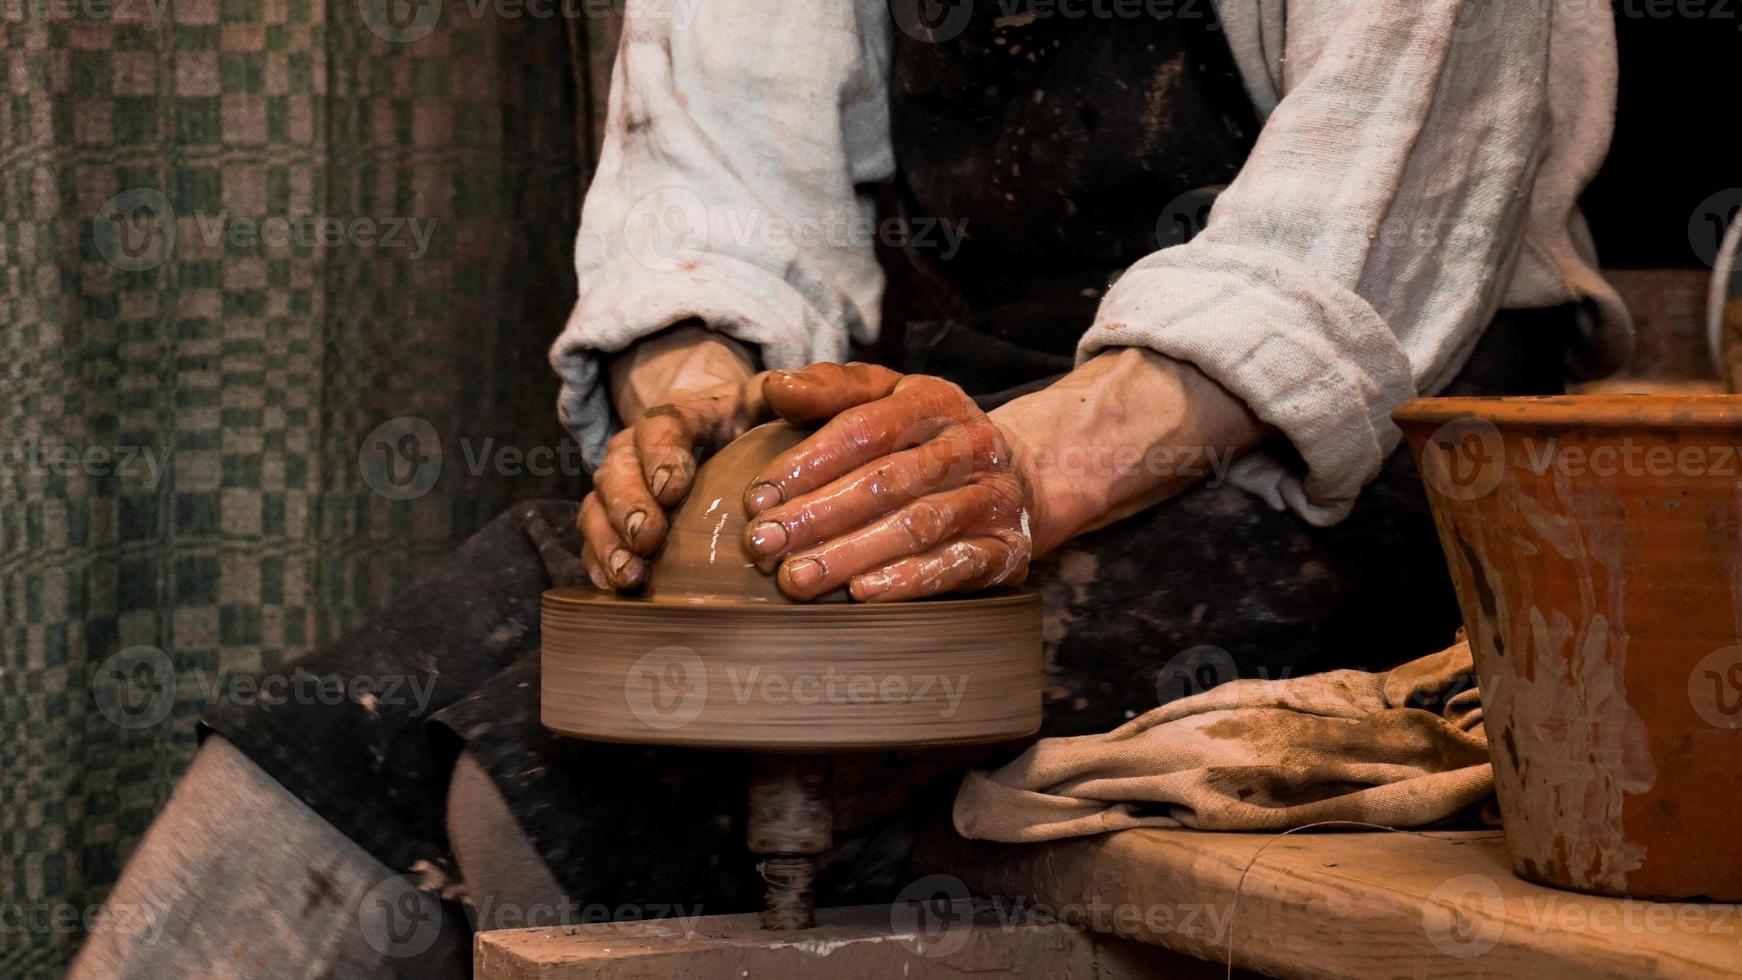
column 1063, row 147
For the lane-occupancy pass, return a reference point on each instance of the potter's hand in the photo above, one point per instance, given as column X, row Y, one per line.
column 683, row 391
column 648, row 469
column 908, row 491
column 690, row 392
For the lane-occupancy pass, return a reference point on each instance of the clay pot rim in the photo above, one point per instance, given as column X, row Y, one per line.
column 1615, row 411
column 575, row 595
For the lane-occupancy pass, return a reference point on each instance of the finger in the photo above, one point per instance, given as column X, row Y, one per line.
column 914, row 529
column 918, row 409
column 667, row 438
column 621, row 568
column 860, row 497
column 595, row 571
column 823, row 391
column 964, row 565
column 589, row 560
column 621, row 486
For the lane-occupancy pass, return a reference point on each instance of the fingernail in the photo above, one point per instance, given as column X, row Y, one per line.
column 636, row 520
column 804, row 573
column 661, row 477
column 764, row 496
column 768, row 537
column 868, row 585
column 619, row 561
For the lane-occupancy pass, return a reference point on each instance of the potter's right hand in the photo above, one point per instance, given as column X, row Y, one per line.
column 689, row 392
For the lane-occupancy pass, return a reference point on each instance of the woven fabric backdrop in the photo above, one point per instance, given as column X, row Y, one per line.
column 190, row 363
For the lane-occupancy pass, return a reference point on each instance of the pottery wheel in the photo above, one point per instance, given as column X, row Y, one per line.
column 713, row 655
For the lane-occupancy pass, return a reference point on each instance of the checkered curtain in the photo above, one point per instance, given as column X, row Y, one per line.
column 192, row 362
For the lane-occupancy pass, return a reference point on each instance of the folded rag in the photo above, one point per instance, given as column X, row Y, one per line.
column 1401, row 748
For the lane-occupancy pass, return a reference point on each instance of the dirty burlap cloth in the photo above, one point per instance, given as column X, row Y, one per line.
column 1401, row 748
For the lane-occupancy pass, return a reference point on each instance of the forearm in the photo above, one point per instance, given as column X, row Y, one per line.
column 684, row 359
column 1125, row 430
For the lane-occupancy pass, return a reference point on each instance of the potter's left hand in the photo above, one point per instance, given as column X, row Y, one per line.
column 909, row 492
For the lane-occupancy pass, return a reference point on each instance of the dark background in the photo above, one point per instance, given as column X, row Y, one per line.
column 1675, row 135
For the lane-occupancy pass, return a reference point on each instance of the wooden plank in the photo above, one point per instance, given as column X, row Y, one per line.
column 1350, row 905
column 917, row 943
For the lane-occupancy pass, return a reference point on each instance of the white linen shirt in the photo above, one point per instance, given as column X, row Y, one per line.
column 1418, row 169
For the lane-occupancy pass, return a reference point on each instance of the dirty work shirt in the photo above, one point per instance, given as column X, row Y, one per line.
column 1418, row 167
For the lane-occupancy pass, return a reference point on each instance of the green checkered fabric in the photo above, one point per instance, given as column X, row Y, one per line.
column 185, row 393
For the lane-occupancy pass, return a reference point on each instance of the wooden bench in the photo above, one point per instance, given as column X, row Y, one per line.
column 1367, row 904
column 1315, row 904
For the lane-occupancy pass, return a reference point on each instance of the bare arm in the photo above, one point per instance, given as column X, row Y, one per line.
column 1124, row 431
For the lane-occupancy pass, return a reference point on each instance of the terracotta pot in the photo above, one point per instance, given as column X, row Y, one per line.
column 1596, row 546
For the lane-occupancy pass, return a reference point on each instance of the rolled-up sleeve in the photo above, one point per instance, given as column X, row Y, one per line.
column 738, row 141
column 1368, row 240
